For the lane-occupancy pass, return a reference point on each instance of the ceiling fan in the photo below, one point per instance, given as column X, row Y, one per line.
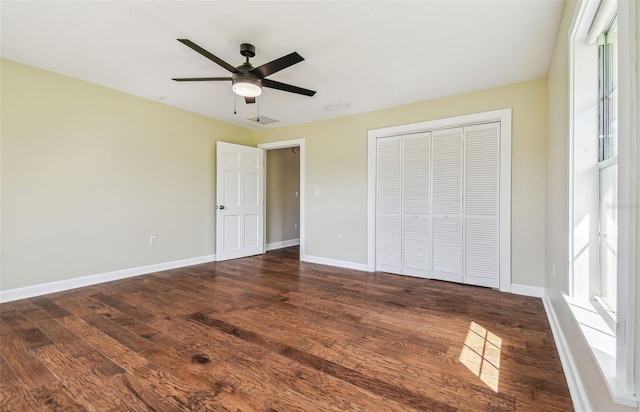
column 246, row 80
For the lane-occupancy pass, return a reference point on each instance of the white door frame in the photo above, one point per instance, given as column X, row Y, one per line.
column 283, row 145
column 504, row 117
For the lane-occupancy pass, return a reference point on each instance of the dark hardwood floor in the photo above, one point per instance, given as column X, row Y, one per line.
column 271, row 333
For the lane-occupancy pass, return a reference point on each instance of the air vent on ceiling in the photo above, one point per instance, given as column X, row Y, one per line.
column 262, row 120
column 337, row 106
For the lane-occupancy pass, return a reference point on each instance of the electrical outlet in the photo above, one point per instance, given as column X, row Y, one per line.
column 316, row 191
column 295, row 226
column 153, row 240
column 339, row 238
column 296, row 193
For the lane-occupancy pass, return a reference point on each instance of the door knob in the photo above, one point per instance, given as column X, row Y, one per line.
column 220, row 207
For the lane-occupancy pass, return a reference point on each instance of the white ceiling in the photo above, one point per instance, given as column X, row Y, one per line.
column 369, row 55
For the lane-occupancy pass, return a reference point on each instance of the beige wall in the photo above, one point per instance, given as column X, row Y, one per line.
column 99, row 171
column 336, row 164
column 89, row 173
column 283, row 206
column 557, row 177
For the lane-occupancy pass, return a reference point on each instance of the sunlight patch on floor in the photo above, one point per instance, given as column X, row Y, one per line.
column 481, row 354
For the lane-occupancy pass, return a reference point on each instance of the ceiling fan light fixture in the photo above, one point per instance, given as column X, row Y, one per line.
column 247, row 87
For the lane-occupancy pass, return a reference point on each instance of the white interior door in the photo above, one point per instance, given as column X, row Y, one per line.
column 239, row 201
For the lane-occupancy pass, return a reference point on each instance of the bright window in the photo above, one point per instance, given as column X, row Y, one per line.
column 602, row 188
column 608, row 169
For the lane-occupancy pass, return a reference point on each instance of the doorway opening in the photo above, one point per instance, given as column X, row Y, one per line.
column 284, row 185
column 282, row 214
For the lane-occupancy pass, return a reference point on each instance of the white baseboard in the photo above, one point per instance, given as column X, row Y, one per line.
column 334, row 262
column 284, row 243
column 526, row 290
column 62, row 285
column 576, row 388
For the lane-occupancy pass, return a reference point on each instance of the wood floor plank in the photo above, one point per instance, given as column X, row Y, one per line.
column 7, row 375
column 50, row 307
column 174, row 330
column 161, row 381
column 80, row 305
column 64, row 338
column 271, row 333
column 94, row 337
column 87, row 388
column 118, row 333
column 16, row 397
column 115, row 303
column 139, row 395
column 56, row 397
column 213, row 386
column 22, row 361
column 31, row 336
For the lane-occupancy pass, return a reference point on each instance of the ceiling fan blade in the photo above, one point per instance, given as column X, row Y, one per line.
column 250, row 100
column 208, row 55
column 277, row 65
column 287, row 87
column 202, row 79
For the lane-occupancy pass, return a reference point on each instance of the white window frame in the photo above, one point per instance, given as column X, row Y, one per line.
column 617, row 367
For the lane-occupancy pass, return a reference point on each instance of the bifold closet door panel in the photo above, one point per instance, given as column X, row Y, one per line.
column 389, row 205
column 482, row 185
column 437, row 204
column 416, row 176
column 446, row 180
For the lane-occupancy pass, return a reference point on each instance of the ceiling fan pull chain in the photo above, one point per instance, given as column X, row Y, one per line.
column 235, row 100
column 258, row 107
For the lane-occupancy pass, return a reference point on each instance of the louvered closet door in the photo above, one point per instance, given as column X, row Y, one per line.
column 389, row 205
column 481, row 206
column 446, row 172
column 416, row 220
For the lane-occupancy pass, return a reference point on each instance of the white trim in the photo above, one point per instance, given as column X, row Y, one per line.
column 283, row 244
column 526, row 290
column 62, row 285
column 334, row 262
column 504, row 117
column 300, row 143
column 505, row 198
column 602, row 346
column 371, row 202
column 627, row 198
column 445, row 123
column 576, row 387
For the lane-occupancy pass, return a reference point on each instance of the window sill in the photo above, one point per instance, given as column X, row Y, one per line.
column 600, row 337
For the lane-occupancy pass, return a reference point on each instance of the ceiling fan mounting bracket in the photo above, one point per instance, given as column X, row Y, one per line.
column 247, row 50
